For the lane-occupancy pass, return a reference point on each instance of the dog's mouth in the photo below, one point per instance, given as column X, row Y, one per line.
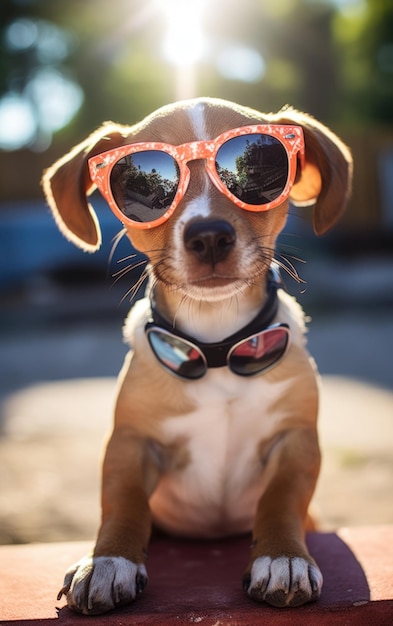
column 214, row 280
column 214, row 287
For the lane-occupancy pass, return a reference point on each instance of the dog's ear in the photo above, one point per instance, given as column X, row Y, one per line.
column 67, row 184
column 326, row 179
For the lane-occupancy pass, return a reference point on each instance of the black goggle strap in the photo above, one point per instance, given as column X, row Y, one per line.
column 216, row 353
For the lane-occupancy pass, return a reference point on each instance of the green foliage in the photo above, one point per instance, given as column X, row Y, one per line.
column 337, row 65
column 365, row 38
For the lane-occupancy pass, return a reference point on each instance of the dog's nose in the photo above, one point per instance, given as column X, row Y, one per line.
column 210, row 240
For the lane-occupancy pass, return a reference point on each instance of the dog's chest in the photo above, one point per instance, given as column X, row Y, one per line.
column 214, row 487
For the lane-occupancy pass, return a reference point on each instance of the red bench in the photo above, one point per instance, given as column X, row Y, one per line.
column 200, row 583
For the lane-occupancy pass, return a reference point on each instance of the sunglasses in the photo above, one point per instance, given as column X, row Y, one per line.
column 248, row 357
column 254, row 166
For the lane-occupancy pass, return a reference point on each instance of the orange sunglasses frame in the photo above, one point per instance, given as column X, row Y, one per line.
column 291, row 137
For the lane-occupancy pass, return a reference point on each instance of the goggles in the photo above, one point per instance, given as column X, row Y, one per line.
column 253, row 166
column 248, row 357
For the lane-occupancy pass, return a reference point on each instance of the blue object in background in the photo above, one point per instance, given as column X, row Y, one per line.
column 31, row 244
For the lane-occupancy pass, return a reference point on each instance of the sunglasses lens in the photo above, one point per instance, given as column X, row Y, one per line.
column 177, row 355
column 253, row 167
column 260, row 352
column 144, row 184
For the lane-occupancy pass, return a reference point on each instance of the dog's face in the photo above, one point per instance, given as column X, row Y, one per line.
column 210, row 248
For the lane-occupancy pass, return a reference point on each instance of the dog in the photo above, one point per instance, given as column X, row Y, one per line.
column 215, row 419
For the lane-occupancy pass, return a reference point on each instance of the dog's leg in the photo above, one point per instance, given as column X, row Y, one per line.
column 281, row 571
column 115, row 572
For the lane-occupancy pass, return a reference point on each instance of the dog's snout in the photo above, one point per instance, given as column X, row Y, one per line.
column 210, row 241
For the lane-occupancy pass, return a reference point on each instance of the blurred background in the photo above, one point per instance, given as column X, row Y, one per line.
column 65, row 67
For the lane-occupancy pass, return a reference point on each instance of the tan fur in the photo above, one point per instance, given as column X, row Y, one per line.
column 223, row 454
column 329, row 162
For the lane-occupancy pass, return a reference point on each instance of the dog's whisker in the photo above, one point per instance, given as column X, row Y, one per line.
column 127, row 258
column 283, row 261
column 183, row 300
column 119, row 275
column 286, row 258
column 133, row 290
column 130, row 291
column 285, row 264
column 295, row 258
column 115, row 242
column 290, row 252
column 125, row 270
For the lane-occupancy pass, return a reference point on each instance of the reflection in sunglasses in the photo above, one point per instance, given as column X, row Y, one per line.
column 249, row 357
column 145, row 180
column 253, row 166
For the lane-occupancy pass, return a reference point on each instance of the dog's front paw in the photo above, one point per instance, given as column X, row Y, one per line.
column 283, row 581
column 96, row 585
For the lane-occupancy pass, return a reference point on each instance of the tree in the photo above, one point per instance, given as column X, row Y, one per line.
column 366, row 41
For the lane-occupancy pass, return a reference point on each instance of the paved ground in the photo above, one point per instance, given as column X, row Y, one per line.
column 60, row 353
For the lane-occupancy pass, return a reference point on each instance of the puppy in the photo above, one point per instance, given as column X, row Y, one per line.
column 215, row 420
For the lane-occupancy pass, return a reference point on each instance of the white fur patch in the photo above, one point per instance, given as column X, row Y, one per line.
column 199, row 207
column 215, row 319
column 217, row 491
column 198, row 121
column 98, row 584
column 278, row 581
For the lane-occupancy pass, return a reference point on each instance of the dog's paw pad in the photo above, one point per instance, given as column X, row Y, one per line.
column 96, row 585
column 283, row 581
